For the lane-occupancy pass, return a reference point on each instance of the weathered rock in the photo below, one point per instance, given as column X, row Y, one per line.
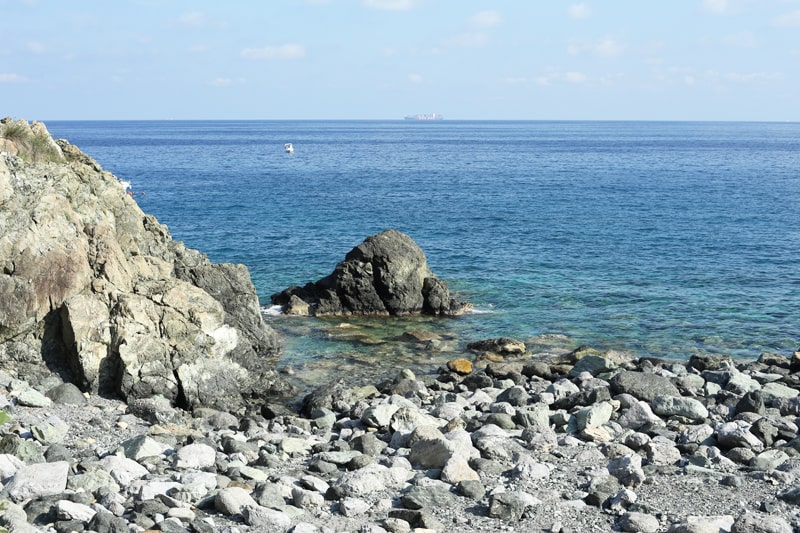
column 387, row 274
column 41, row 479
column 755, row 522
column 643, row 385
column 501, row 345
column 99, row 292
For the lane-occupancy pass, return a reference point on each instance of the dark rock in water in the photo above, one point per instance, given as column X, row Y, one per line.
column 387, row 274
column 502, row 346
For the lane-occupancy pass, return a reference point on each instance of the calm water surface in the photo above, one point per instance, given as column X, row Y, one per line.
column 663, row 239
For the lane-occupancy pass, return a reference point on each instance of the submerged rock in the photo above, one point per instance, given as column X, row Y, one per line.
column 387, row 274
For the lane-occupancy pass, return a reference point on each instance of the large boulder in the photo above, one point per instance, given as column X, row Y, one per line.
column 387, row 274
column 96, row 290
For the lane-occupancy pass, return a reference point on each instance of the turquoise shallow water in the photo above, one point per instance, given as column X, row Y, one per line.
column 663, row 239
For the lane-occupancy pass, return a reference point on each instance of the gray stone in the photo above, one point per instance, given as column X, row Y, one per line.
column 737, row 434
column 662, row 451
column 24, row 450
column 510, row 506
column 66, row 393
column 638, row 523
column 264, row 519
column 93, row 480
column 37, row 480
column 679, row 406
column 593, row 416
column 351, row 507
column 756, row 522
column 142, row 446
column 307, row 498
column 33, row 398
column 122, row 469
column 638, row 415
column 628, row 470
column 232, row 500
column 372, row 478
column 68, row 510
column 769, row 459
column 429, row 497
column 643, row 385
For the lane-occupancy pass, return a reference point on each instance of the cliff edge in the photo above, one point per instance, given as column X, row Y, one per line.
column 96, row 291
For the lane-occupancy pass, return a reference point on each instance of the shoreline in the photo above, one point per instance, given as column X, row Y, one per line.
column 538, row 444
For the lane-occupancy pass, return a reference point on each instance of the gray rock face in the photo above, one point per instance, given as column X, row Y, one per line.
column 387, row 274
column 94, row 288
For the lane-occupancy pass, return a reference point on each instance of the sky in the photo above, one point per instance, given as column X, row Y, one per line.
column 383, row 59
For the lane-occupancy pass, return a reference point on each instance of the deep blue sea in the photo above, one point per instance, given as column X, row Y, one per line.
column 663, row 239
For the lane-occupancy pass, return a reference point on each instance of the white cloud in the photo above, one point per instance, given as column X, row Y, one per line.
column 225, row 82
column 8, row 77
column 284, row 51
column 607, row 47
column 580, row 11
column 718, row 7
column 787, row 20
column 741, row 40
column 487, row 19
column 415, row 78
column 554, row 76
column 468, row 40
column 35, row 47
column 193, row 19
column 389, row 5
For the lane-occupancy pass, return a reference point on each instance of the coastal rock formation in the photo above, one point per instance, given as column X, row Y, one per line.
column 97, row 291
column 387, row 274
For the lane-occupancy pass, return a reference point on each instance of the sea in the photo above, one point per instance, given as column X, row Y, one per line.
column 657, row 239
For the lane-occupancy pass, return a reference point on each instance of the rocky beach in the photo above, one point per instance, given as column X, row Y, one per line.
column 139, row 392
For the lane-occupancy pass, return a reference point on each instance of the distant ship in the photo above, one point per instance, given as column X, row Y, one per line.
column 435, row 116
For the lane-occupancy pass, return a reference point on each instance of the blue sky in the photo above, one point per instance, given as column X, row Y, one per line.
column 383, row 59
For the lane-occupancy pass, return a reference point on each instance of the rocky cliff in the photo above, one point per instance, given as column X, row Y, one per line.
column 387, row 274
column 95, row 290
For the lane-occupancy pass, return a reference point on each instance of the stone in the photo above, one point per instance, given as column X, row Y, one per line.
column 142, row 446
column 679, row 406
column 471, row 489
column 122, row 469
column 593, row 416
column 33, row 398
column 264, row 519
column 662, row 451
column 92, row 480
column 66, row 393
column 643, row 385
column 37, row 480
column 638, row 415
column 460, row 366
column 736, row 434
column 628, row 470
column 197, row 456
column 756, row 522
column 351, row 507
column 457, row 469
column 67, row 510
column 510, row 506
column 503, row 346
column 638, row 523
column 372, row 478
column 232, row 500
column 769, row 459
column 428, row 497
column 387, row 274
